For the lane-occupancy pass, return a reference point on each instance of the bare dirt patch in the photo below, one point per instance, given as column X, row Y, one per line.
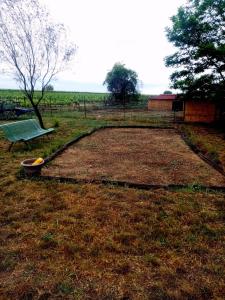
column 137, row 155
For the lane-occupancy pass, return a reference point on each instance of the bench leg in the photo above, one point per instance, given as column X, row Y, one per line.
column 28, row 145
column 10, row 147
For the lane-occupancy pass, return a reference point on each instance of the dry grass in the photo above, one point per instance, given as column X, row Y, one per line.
column 63, row 241
column 208, row 140
column 149, row 156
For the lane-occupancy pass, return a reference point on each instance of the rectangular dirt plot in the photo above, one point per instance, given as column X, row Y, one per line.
column 137, row 155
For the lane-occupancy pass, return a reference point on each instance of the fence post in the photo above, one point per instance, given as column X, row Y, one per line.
column 124, row 107
column 85, row 109
column 51, row 106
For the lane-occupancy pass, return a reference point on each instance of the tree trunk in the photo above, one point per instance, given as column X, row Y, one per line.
column 36, row 110
column 38, row 114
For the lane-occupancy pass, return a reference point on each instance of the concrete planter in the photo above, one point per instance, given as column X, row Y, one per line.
column 30, row 170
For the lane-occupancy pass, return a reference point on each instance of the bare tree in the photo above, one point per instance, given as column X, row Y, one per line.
column 32, row 47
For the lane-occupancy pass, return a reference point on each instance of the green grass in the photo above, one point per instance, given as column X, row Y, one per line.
column 57, row 97
column 73, row 241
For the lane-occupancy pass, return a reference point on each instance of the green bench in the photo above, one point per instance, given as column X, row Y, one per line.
column 23, row 131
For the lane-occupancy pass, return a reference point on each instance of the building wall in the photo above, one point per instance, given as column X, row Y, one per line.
column 160, row 104
column 196, row 111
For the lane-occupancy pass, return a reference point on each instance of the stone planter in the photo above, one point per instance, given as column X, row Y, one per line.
column 30, row 170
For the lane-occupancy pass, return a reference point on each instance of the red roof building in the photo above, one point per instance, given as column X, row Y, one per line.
column 193, row 110
column 161, row 102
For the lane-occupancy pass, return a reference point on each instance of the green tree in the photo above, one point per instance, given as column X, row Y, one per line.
column 122, row 83
column 198, row 31
column 49, row 88
column 167, row 93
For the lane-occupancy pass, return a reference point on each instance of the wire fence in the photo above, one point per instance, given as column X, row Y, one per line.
column 101, row 109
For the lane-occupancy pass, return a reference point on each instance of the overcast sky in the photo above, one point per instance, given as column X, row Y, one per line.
column 109, row 31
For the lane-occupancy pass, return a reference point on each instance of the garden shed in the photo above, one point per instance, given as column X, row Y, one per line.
column 199, row 111
column 161, row 102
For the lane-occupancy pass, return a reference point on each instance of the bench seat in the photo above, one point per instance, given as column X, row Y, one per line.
column 40, row 133
column 23, row 130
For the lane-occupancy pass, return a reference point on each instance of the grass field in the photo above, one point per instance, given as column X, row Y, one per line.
column 57, row 97
column 86, row 241
column 134, row 155
column 208, row 140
